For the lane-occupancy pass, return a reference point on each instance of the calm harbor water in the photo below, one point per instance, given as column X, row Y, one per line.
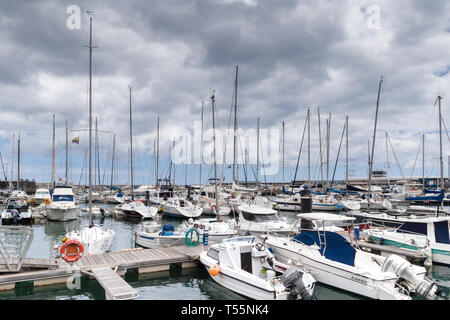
column 188, row 284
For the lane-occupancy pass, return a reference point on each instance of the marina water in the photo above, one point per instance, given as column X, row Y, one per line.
column 186, row 284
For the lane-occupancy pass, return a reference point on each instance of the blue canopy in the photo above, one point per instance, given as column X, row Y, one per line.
column 285, row 191
column 337, row 248
column 437, row 198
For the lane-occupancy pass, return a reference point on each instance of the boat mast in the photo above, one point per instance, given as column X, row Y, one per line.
column 309, row 145
column 131, row 150
column 346, row 152
column 235, row 124
column 3, row 167
column 53, row 155
column 18, row 163
column 282, row 130
column 91, row 222
column 67, row 156
column 157, row 152
column 257, row 152
column 320, row 148
column 112, row 161
column 387, row 158
column 328, row 146
column 438, row 99
column 423, row 162
column 201, row 144
column 373, row 141
column 12, row 162
column 213, row 103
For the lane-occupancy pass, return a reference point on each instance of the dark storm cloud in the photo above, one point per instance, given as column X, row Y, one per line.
column 291, row 55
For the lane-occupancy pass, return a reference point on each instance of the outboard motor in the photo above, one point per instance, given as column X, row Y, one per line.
column 403, row 269
column 15, row 215
column 299, row 284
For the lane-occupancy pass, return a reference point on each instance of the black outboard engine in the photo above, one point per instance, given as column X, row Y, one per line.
column 299, row 284
column 15, row 215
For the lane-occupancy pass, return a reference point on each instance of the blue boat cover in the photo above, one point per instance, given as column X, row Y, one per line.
column 337, row 247
column 167, row 229
column 432, row 191
column 437, row 198
column 285, row 191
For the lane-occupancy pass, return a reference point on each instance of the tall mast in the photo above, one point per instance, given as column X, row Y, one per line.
column 235, row 124
column 53, row 155
column 67, row 155
column 213, row 103
column 387, row 158
column 12, row 161
column 346, row 152
column 18, row 163
column 438, row 99
column 309, row 145
column 157, row 152
column 423, row 162
column 328, row 146
column 201, row 144
column 91, row 223
column 282, row 130
column 131, row 150
column 97, row 160
column 320, row 148
column 112, row 161
column 373, row 141
column 257, row 152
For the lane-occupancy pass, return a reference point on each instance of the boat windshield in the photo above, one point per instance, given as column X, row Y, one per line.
column 260, row 217
column 62, row 197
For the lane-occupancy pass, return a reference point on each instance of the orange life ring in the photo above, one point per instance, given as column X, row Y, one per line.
column 213, row 207
column 72, row 250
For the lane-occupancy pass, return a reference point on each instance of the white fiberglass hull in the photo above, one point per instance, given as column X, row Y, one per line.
column 95, row 240
column 182, row 213
column 66, row 213
column 245, row 283
column 336, row 274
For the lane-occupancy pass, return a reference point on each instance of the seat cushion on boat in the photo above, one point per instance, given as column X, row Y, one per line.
column 336, row 247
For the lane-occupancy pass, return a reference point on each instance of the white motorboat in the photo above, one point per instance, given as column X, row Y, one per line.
column 326, row 203
column 350, row 205
column 244, row 265
column 181, row 208
column 429, row 235
column 334, row 261
column 62, row 206
column 41, row 196
column 288, row 203
column 256, row 220
column 95, row 238
column 156, row 236
column 16, row 211
column 116, row 198
column 98, row 211
column 19, row 194
column 137, row 209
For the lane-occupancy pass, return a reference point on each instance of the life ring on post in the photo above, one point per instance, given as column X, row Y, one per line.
column 71, row 250
column 213, row 208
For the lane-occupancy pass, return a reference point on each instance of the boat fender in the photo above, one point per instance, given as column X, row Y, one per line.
column 214, row 270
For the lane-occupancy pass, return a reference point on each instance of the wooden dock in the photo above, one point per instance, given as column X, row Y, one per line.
column 53, row 271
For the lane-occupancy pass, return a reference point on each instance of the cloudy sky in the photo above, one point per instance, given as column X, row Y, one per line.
column 174, row 53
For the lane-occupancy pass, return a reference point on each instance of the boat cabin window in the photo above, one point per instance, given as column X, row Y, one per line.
column 213, row 253
column 42, row 192
column 441, row 232
column 203, row 194
column 260, row 217
column 246, row 258
column 414, row 227
column 62, row 197
column 18, row 204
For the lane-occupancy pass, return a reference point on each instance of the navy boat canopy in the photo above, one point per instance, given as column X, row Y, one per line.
column 337, row 248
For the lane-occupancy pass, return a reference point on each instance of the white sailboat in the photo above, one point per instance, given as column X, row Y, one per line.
column 94, row 238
